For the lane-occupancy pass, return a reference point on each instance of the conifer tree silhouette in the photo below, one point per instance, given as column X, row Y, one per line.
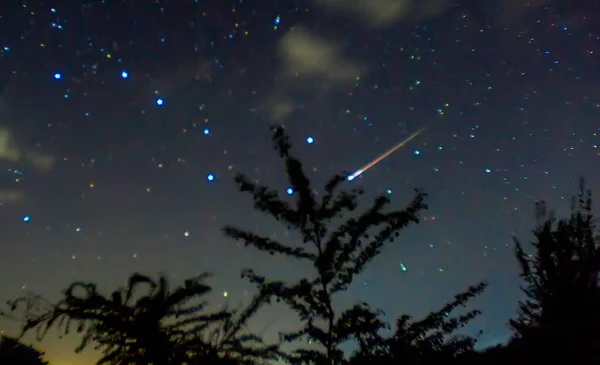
column 161, row 327
column 560, row 316
column 337, row 253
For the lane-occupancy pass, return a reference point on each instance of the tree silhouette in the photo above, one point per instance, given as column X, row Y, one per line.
column 560, row 316
column 160, row 327
column 494, row 355
column 430, row 340
column 337, row 253
column 14, row 352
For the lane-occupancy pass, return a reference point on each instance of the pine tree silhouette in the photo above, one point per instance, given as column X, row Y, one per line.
column 560, row 317
column 337, row 253
column 161, row 327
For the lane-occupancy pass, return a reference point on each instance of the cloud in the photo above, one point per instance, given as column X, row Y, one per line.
column 10, row 152
column 306, row 54
column 307, row 58
column 387, row 12
column 170, row 81
column 7, row 150
column 41, row 162
column 8, row 196
column 280, row 106
column 512, row 10
column 376, row 12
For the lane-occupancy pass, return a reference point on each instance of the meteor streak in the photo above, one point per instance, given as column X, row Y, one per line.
column 358, row 172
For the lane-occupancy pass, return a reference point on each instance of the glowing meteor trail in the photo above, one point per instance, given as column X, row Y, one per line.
column 358, row 172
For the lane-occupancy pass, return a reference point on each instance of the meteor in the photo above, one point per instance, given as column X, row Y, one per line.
column 358, row 172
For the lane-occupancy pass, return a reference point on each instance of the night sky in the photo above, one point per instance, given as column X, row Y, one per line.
column 122, row 124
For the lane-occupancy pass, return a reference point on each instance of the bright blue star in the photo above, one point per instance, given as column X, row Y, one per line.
column 488, row 171
column 277, row 20
column 57, row 76
column 206, row 131
column 289, row 191
column 26, row 218
column 124, row 74
column 310, row 140
column 210, row 177
column 416, row 152
column 159, row 101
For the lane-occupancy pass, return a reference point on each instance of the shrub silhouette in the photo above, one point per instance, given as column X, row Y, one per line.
column 161, row 327
column 337, row 253
column 13, row 352
column 560, row 317
column 429, row 340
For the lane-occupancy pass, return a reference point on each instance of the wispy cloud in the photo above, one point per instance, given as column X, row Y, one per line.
column 386, row 12
column 8, row 196
column 40, row 161
column 278, row 105
column 307, row 54
column 9, row 151
column 513, row 10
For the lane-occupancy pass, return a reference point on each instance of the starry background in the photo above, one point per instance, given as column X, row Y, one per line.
column 122, row 123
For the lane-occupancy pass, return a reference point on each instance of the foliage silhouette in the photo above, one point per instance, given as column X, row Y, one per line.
column 494, row 355
column 432, row 339
column 13, row 352
column 160, row 327
column 560, row 317
column 337, row 254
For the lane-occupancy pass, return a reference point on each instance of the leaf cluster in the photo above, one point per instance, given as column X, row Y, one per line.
column 337, row 255
column 12, row 351
column 433, row 338
column 561, row 278
column 158, row 327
